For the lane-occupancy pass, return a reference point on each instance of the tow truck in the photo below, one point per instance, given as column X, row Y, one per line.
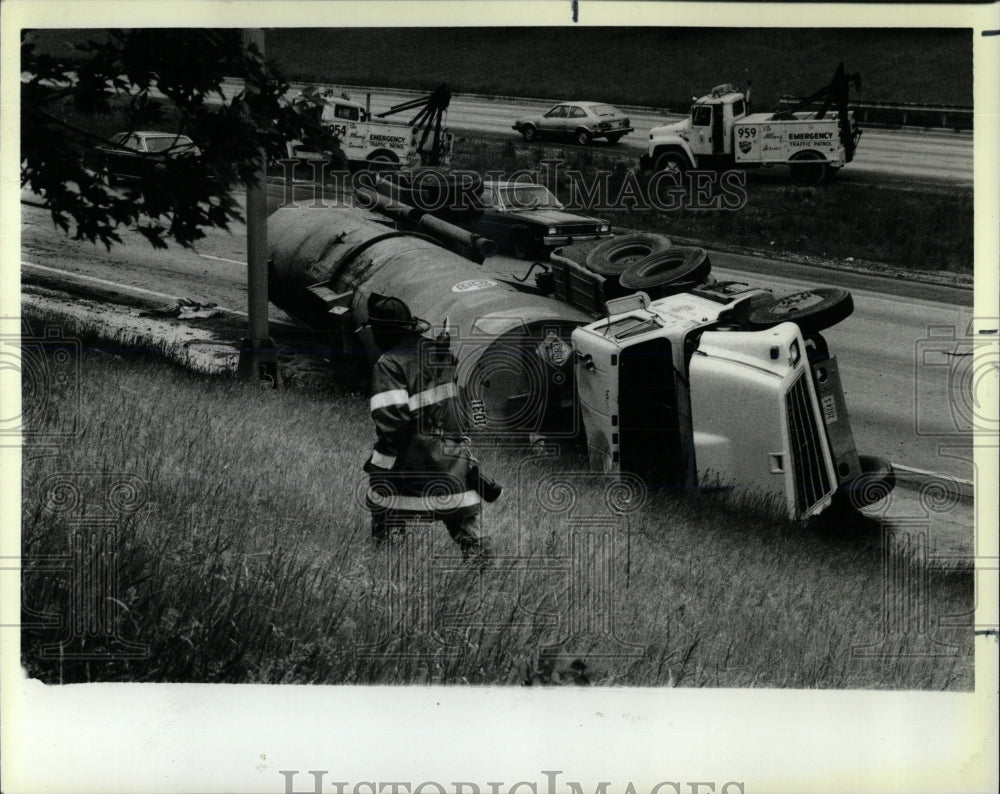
column 721, row 134
column 368, row 140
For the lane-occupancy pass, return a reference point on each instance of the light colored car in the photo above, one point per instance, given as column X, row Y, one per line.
column 581, row 121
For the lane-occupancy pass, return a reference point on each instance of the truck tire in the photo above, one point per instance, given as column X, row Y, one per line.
column 611, row 257
column 808, row 168
column 529, row 132
column 812, row 310
column 876, row 481
column 672, row 161
column 668, row 272
column 582, row 137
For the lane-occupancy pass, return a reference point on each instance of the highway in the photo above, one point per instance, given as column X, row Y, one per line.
column 921, row 156
column 899, row 410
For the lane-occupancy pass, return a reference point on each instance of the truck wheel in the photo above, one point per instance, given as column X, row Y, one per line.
column 383, row 156
column 582, row 137
column 521, row 244
column 673, row 162
column 613, row 139
column 611, row 257
column 668, row 272
column 812, row 310
column 876, row 481
column 808, row 169
column 529, row 131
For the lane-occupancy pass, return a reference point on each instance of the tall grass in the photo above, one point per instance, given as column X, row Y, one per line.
column 246, row 558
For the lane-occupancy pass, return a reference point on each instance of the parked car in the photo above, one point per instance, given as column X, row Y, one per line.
column 136, row 154
column 529, row 221
column 582, row 121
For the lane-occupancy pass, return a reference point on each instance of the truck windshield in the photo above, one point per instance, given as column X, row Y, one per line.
column 527, row 197
column 701, row 115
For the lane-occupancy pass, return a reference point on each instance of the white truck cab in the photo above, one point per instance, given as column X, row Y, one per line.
column 682, row 393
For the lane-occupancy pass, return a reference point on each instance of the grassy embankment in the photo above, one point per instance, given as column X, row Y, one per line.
column 245, row 558
column 909, row 229
column 656, row 67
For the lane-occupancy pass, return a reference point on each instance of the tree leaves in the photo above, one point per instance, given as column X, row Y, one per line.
column 170, row 80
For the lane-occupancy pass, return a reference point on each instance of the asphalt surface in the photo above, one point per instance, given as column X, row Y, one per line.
column 919, row 156
column 899, row 410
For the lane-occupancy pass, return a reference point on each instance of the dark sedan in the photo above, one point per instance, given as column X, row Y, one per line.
column 530, row 221
column 136, row 154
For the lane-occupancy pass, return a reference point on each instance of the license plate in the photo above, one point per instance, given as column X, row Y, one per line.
column 829, row 409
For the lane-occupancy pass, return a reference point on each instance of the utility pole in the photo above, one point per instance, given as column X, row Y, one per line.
column 258, row 355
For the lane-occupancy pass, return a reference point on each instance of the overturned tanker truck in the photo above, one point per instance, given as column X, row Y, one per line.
column 689, row 382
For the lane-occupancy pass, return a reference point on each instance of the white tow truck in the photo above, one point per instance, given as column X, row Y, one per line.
column 368, row 140
column 720, row 134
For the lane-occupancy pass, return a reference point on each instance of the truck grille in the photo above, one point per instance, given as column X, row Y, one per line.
column 577, row 228
column 812, row 481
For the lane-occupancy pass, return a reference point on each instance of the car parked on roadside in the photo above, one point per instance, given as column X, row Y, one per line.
column 529, row 221
column 136, row 154
column 581, row 121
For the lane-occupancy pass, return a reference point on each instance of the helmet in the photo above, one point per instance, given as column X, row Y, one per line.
column 390, row 321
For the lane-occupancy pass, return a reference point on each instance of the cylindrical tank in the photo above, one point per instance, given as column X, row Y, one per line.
column 513, row 347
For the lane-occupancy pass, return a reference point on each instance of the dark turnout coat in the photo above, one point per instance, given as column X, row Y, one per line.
column 421, row 463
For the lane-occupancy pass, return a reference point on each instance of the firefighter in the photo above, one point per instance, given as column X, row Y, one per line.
column 421, row 466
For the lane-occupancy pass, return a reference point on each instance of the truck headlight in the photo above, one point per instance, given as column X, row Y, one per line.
column 794, row 354
column 604, row 228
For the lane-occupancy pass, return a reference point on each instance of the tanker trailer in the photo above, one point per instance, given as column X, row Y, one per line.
column 514, row 370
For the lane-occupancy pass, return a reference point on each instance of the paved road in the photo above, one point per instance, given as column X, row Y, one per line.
column 919, row 156
column 899, row 410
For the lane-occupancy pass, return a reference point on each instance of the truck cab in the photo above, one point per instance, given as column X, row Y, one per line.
column 704, row 139
column 712, row 118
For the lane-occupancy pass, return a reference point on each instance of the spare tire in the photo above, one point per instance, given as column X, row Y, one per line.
column 613, row 256
column 812, row 310
column 668, row 272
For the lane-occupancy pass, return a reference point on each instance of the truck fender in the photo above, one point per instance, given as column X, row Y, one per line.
column 678, row 148
column 383, row 156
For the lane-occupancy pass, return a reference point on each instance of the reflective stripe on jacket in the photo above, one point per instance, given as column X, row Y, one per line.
column 418, row 435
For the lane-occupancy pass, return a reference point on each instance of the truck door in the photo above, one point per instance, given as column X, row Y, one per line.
column 701, row 130
column 718, row 129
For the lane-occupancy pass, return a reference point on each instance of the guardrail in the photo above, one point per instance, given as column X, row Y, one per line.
column 905, row 114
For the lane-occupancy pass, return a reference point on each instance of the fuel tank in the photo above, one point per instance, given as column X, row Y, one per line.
column 515, row 369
